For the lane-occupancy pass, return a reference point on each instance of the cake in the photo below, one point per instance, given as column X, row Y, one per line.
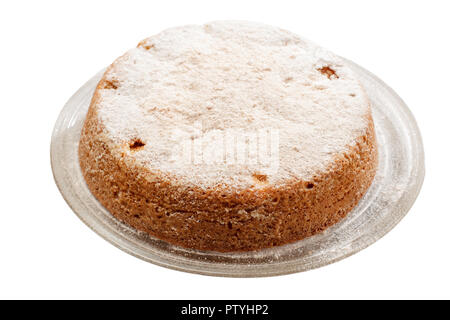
column 228, row 136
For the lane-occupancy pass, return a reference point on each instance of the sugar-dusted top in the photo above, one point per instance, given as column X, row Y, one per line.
column 234, row 103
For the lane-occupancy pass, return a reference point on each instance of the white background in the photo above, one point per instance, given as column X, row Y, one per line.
column 48, row 49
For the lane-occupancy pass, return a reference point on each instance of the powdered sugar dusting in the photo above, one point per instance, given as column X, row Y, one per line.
column 232, row 77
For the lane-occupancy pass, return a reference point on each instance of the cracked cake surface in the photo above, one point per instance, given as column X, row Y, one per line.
column 228, row 136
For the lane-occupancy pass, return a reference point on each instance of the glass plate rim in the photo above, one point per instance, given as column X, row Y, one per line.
column 412, row 193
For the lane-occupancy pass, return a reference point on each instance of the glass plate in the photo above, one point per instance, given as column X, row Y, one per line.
column 394, row 190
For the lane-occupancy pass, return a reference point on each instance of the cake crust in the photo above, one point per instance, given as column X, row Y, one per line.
column 260, row 212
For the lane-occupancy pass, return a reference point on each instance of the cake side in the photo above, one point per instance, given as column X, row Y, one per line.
column 224, row 219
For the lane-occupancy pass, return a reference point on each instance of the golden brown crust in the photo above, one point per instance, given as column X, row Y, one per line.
column 235, row 220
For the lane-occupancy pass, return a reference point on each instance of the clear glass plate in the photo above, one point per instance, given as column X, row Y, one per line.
column 394, row 190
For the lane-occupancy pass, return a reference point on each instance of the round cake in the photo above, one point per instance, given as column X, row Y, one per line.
column 228, row 136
